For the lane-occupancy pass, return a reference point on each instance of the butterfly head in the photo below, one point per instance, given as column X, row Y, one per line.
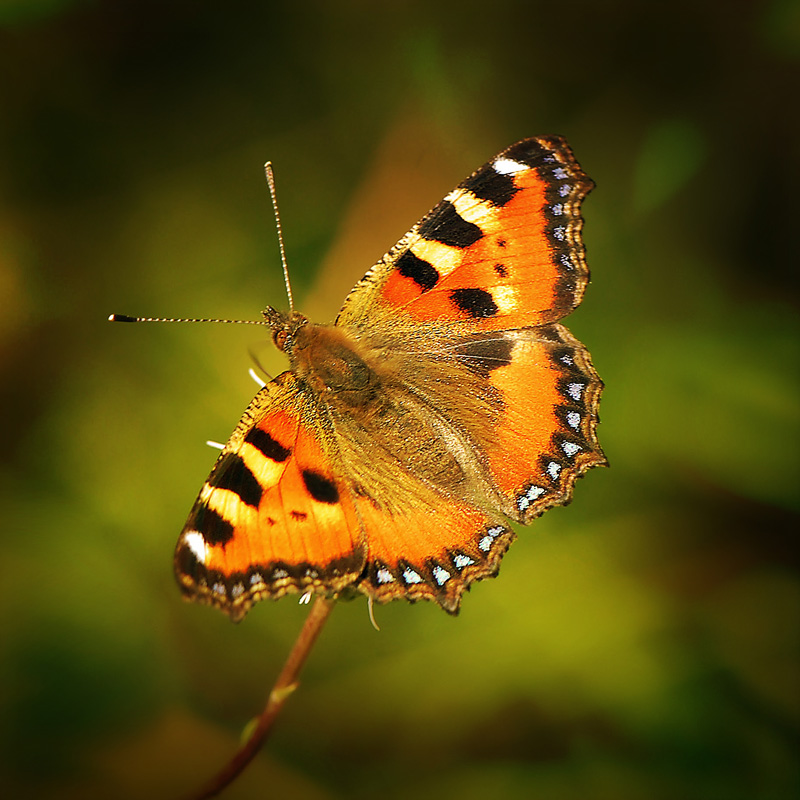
column 284, row 327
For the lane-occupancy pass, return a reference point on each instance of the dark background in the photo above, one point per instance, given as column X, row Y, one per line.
column 641, row 643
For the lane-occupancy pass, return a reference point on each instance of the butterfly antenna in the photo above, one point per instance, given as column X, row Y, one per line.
column 126, row 318
column 271, row 182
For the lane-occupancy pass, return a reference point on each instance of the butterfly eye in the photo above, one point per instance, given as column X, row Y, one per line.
column 281, row 338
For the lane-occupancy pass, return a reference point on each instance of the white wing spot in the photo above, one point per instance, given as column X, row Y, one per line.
column 557, row 209
column 485, row 543
column 554, row 470
column 564, row 189
column 534, row 493
column 384, row 576
column 441, row 575
column 507, row 166
column 574, row 420
column 560, row 173
column 279, row 573
column 575, row 390
column 197, row 544
column 218, row 588
column 409, row 576
column 570, row 448
column 460, row 561
column 256, row 578
column 560, row 233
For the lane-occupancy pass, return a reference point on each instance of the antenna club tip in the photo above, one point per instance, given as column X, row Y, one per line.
column 120, row 318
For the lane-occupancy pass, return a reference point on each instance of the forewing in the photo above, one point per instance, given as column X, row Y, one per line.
column 502, row 250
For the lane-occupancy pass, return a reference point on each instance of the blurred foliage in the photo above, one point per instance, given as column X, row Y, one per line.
column 640, row 644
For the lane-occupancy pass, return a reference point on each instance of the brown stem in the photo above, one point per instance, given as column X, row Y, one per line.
column 286, row 683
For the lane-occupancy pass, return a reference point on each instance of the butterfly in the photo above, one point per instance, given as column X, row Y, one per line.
column 445, row 402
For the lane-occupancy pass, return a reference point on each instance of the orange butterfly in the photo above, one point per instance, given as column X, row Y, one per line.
column 445, row 401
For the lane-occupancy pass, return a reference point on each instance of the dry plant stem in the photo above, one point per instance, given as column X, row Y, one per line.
column 284, row 686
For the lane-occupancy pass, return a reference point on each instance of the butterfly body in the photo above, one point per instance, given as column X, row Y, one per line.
column 444, row 401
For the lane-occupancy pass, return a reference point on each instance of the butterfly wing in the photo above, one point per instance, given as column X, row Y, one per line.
column 272, row 517
column 502, row 250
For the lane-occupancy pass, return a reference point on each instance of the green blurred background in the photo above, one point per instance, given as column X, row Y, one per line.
column 641, row 643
